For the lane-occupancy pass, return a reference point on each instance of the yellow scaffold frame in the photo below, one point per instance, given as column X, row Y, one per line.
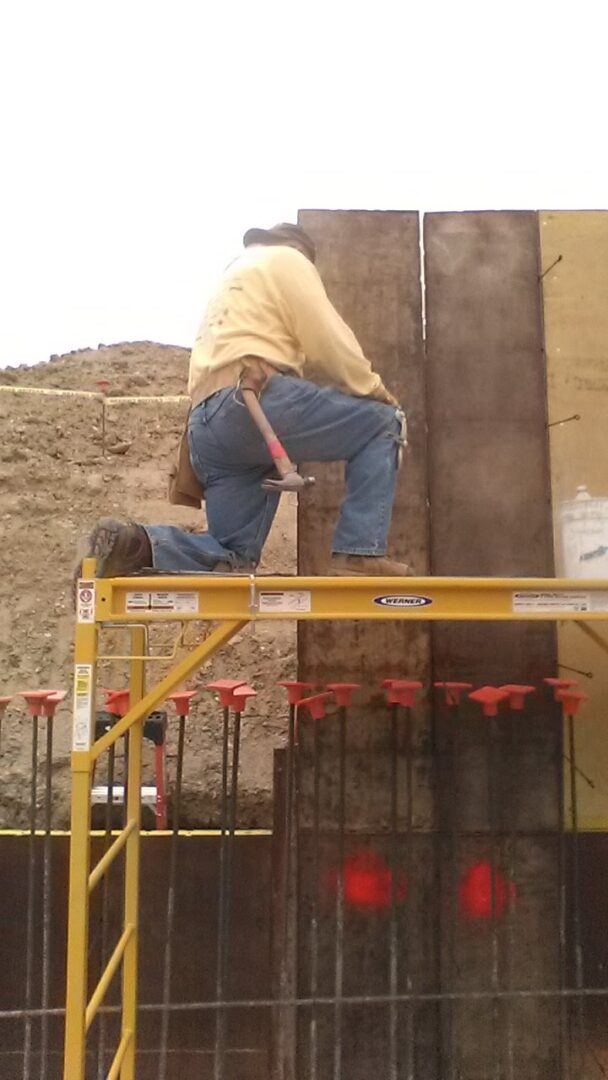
column 232, row 602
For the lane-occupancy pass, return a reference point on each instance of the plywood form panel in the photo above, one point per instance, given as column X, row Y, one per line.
column 370, row 264
column 490, row 514
column 574, row 247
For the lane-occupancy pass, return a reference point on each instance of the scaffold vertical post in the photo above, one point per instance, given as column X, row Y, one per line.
column 85, row 656
column 132, row 857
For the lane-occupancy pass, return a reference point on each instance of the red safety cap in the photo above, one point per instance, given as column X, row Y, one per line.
column 453, row 691
column 4, row 701
column 295, row 690
column 517, row 695
column 49, row 706
column 225, row 688
column 35, row 700
column 182, row 700
column 559, row 684
column 489, row 698
column 571, row 700
column 315, row 705
column 401, row 691
column 118, row 701
column 241, row 696
column 343, row 691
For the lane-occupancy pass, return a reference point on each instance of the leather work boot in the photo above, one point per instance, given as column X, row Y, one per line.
column 119, row 548
column 366, row 566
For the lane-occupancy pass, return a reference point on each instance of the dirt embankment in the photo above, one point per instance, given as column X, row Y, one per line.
column 56, row 478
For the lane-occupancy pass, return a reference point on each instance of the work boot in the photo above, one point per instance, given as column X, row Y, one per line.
column 342, row 565
column 120, row 549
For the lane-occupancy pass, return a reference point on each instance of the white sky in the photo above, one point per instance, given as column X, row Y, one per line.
column 140, row 139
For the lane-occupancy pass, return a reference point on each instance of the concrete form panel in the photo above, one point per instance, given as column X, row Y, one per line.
column 370, row 263
column 574, row 249
column 490, row 515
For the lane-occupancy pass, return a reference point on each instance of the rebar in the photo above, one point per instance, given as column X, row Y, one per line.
column 339, row 949
column 170, row 911
column 314, row 904
column 394, row 929
column 46, row 899
column 30, row 917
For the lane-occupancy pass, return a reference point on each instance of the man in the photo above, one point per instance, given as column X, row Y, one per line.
column 271, row 306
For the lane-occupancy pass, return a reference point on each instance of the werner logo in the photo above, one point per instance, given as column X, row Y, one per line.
column 403, row 600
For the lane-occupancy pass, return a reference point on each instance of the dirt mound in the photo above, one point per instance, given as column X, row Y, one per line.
column 58, row 473
column 138, row 367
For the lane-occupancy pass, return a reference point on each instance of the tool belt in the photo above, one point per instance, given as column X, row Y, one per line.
column 184, row 487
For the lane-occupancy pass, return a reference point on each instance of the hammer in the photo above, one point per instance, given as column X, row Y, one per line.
column 251, row 383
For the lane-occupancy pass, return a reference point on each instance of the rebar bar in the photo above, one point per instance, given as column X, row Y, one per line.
column 220, row 1029
column 314, row 904
column 170, row 911
column 394, row 929
column 46, row 900
column 30, row 917
column 339, row 948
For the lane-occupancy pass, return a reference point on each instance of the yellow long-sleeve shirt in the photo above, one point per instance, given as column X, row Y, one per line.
column 271, row 303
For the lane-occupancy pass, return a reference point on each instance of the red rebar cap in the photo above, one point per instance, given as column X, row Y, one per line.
column 241, row 697
column 182, row 699
column 35, row 700
column 225, row 688
column 295, row 690
column 489, row 698
column 571, row 700
column 517, row 695
column 315, row 705
column 117, row 701
column 343, row 691
column 401, row 691
column 4, row 701
column 560, row 684
column 49, row 707
column 453, row 691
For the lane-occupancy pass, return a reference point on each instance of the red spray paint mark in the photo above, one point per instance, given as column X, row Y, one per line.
column 475, row 892
column 368, row 882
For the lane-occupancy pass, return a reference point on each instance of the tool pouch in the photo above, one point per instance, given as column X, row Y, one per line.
column 184, row 486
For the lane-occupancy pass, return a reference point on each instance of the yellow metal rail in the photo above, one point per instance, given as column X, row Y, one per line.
column 232, row 602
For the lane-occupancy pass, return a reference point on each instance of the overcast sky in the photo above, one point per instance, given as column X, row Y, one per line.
column 140, row 139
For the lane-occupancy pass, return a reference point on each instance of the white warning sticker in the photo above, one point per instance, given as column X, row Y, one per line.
column 288, row 600
column 174, row 601
column 85, row 604
column 555, row 602
column 83, row 707
column 179, row 602
column 138, row 601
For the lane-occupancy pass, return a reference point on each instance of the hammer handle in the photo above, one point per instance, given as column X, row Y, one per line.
column 277, row 451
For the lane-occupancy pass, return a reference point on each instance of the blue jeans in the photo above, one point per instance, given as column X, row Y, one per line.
column 230, row 459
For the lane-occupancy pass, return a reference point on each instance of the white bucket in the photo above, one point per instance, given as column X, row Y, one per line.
column 584, row 532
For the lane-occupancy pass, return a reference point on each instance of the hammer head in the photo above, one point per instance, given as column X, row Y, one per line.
column 290, row 482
